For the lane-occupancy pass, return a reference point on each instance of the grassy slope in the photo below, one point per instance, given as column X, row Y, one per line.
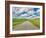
column 18, row 21
column 35, row 22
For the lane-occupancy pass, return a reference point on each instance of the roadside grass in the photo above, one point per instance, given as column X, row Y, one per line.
column 35, row 22
column 18, row 21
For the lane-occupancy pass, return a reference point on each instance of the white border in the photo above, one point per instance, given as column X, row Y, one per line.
column 25, row 31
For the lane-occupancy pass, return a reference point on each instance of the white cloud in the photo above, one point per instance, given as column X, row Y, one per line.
column 30, row 12
column 38, row 11
column 22, row 9
column 23, row 15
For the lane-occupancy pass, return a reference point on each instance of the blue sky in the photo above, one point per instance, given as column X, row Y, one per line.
column 21, row 12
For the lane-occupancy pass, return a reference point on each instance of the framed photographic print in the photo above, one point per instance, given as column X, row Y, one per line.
column 24, row 18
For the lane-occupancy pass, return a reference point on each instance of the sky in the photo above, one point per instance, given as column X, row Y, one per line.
column 25, row 12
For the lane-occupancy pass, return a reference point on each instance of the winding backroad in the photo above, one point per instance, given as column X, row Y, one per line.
column 25, row 26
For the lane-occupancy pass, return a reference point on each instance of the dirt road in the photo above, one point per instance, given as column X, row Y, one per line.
column 25, row 26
